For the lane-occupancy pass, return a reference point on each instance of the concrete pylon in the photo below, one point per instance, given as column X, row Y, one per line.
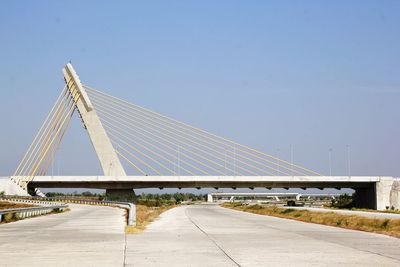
column 105, row 151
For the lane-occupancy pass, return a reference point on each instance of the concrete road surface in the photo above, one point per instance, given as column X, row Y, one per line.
column 201, row 235
column 208, row 235
column 84, row 236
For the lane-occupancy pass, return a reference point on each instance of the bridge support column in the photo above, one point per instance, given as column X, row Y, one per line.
column 125, row 195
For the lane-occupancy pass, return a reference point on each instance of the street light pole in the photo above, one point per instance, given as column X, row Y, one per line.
column 291, row 159
column 348, row 160
column 277, row 161
column 330, row 161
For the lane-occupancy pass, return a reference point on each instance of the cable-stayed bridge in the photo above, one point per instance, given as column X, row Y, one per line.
column 159, row 151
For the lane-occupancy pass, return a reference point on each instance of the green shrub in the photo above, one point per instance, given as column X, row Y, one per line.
column 291, row 203
column 57, row 210
column 385, row 224
column 9, row 217
column 344, row 201
column 286, row 211
column 255, row 207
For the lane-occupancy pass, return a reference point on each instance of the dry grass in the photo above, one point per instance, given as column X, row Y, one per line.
column 382, row 226
column 368, row 210
column 11, row 205
column 144, row 216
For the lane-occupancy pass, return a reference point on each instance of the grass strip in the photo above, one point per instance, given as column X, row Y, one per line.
column 389, row 227
column 367, row 210
column 144, row 216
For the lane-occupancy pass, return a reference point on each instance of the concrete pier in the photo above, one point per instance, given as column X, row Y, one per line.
column 126, row 195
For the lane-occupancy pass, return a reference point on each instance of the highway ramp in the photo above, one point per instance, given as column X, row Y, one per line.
column 85, row 236
column 208, row 235
column 193, row 235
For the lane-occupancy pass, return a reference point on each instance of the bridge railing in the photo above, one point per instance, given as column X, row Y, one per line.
column 130, row 207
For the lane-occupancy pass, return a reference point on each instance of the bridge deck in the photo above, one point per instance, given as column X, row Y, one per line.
column 120, row 182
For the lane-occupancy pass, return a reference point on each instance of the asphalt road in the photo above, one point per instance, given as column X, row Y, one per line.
column 84, row 236
column 208, row 235
column 198, row 235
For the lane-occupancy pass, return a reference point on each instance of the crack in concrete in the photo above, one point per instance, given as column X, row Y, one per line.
column 212, row 240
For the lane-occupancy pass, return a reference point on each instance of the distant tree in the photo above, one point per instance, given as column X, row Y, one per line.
column 88, row 194
column 179, row 197
column 156, row 200
column 344, row 201
column 50, row 194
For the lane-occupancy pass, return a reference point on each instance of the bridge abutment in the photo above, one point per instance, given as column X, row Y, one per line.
column 382, row 195
column 388, row 193
column 126, row 195
column 9, row 187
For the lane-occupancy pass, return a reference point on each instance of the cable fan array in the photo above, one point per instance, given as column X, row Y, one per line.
column 42, row 150
column 154, row 144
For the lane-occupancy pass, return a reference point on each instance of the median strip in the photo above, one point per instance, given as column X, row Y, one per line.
column 144, row 216
column 389, row 227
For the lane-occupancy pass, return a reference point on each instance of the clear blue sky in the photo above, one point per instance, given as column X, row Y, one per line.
column 268, row 74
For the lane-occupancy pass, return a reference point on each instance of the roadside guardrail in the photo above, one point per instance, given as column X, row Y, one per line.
column 22, row 213
column 130, row 207
column 26, row 200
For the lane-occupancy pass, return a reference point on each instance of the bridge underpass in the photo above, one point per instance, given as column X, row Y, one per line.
column 275, row 198
column 162, row 152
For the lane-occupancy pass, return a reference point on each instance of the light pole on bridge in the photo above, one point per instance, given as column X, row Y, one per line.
column 348, row 160
column 330, row 161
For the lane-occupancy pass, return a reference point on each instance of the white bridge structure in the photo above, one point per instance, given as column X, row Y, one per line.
column 159, row 151
column 213, row 197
